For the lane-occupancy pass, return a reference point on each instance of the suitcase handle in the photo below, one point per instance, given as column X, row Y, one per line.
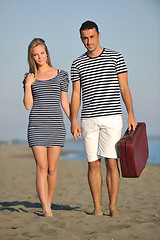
column 131, row 133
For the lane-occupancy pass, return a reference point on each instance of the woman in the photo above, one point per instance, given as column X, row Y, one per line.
column 45, row 89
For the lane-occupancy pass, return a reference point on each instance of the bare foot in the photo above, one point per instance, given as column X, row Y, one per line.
column 97, row 213
column 114, row 213
column 47, row 213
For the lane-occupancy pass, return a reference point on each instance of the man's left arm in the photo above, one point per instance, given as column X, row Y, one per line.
column 127, row 98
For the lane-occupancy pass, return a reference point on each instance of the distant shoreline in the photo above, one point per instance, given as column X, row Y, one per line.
column 72, row 150
column 68, row 140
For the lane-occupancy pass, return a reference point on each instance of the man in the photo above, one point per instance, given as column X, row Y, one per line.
column 102, row 76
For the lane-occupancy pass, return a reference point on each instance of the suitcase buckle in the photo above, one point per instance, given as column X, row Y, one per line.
column 127, row 138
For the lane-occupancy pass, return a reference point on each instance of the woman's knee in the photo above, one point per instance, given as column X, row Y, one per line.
column 42, row 169
column 52, row 172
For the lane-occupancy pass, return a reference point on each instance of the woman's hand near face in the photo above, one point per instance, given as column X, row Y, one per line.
column 30, row 79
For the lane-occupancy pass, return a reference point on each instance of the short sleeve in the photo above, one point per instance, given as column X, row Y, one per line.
column 24, row 80
column 64, row 81
column 75, row 76
column 120, row 64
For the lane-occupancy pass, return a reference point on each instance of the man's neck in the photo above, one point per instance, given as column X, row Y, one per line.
column 95, row 53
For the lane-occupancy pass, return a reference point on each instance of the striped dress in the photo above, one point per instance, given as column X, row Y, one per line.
column 99, row 82
column 46, row 126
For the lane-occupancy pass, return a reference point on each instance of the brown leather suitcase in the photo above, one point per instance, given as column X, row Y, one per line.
column 133, row 150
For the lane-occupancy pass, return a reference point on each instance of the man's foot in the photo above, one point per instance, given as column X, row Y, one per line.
column 114, row 213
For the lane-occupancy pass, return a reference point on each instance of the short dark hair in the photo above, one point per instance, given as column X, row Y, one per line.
column 88, row 25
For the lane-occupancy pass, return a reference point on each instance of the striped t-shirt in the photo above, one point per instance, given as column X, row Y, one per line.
column 99, row 83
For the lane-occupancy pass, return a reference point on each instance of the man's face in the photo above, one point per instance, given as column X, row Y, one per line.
column 90, row 39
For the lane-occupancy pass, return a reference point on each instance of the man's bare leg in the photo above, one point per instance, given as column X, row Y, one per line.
column 113, row 181
column 95, row 183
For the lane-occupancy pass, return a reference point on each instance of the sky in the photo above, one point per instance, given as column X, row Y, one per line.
column 131, row 27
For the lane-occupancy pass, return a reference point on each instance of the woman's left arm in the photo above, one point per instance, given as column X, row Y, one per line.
column 65, row 104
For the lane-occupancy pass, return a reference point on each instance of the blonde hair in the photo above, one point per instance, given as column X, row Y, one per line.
column 32, row 64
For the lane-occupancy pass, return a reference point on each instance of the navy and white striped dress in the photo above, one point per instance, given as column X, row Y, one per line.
column 46, row 126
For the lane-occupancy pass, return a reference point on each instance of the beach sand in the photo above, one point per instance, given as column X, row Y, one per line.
column 20, row 210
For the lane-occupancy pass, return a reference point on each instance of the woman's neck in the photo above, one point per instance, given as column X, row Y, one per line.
column 44, row 68
column 46, row 72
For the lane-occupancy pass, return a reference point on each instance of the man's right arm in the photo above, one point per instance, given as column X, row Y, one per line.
column 75, row 105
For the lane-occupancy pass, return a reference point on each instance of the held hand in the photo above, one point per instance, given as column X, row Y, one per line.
column 132, row 124
column 30, row 79
column 75, row 129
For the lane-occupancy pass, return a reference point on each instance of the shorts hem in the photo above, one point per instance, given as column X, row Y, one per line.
column 100, row 158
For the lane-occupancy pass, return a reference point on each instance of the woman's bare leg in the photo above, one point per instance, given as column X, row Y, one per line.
column 53, row 158
column 40, row 154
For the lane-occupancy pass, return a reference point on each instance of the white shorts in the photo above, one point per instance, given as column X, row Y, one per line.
column 100, row 136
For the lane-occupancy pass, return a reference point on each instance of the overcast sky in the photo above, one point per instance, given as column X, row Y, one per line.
column 131, row 27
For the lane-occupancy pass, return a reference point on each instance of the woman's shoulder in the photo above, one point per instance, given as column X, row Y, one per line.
column 26, row 75
column 63, row 76
column 24, row 78
column 63, row 73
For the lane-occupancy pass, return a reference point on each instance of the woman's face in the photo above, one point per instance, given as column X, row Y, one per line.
column 39, row 55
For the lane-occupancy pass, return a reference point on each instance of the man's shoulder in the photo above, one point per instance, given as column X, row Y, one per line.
column 111, row 52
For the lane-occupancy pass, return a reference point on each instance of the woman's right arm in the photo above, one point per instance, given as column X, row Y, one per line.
column 28, row 97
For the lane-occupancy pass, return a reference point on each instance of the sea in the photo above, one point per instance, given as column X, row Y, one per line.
column 74, row 150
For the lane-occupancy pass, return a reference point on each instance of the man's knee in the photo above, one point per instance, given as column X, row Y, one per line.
column 94, row 166
column 111, row 164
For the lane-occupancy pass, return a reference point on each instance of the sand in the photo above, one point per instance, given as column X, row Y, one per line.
column 20, row 210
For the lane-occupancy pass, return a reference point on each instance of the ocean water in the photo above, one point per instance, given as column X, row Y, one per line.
column 74, row 150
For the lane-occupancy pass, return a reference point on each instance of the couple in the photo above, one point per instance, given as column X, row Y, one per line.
column 101, row 74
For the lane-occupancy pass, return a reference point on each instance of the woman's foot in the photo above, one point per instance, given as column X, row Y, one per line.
column 114, row 213
column 47, row 212
column 97, row 213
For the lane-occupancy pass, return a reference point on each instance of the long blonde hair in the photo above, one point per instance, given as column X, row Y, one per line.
column 32, row 64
